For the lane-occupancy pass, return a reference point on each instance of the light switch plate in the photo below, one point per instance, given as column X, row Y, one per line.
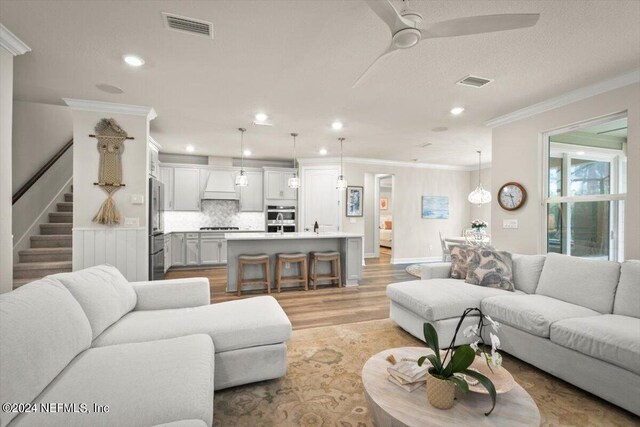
column 510, row 223
column 132, row 222
column 137, row 199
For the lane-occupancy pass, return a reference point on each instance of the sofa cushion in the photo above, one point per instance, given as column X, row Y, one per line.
column 232, row 325
column 490, row 268
column 438, row 299
column 42, row 328
column 103, row 293
column 526, row 271
column 532, row 313
column 612, row 338
column 586, row 282
column 459, row 261
column 144, row 384
column 627, row 302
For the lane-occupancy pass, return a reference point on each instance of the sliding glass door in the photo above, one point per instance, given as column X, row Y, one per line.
column 585, row 190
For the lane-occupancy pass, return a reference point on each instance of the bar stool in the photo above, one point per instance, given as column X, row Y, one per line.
column 262, row 259
column 292, row 258
column 333, row 257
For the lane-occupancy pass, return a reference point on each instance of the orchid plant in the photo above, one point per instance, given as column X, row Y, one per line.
column 479, row 224
column 454, row 366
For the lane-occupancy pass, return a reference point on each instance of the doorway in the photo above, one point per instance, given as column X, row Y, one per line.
column 383, row 217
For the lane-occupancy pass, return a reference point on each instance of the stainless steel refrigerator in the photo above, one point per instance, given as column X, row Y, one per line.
column 156, row 229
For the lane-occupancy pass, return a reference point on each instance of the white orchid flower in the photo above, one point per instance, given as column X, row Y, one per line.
column 496, row 358
column 495, row 325
column 474, row 345
column 495, row 341
column 470, row 331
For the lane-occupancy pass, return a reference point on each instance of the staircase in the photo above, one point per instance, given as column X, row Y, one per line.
column 50, row 251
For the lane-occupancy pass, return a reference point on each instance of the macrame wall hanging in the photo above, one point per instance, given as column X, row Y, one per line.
column 111, row 139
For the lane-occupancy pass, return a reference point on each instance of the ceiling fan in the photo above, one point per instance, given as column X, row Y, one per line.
column 406, row 32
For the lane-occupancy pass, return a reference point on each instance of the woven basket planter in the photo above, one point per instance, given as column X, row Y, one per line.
column 440, row 393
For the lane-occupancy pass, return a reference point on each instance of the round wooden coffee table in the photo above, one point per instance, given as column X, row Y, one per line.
column 392, row 406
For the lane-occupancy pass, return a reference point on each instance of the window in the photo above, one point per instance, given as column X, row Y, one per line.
column 586, row 188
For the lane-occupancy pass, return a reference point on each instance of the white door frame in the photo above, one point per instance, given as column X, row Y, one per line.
column 376, row 215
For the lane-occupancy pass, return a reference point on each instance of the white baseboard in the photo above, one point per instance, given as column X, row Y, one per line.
column 415, row 260
column 371, row 255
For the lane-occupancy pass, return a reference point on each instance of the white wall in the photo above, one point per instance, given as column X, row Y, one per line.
column 415, row 239
column 6, row 106
column 517, row 156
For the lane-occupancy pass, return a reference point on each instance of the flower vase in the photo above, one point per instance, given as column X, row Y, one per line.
column 440, row 393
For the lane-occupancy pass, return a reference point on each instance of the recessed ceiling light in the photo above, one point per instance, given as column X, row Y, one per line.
column 261, row 117
column 336, row 125
column 323, row 151
column 133, row 60
column 247, row 152
column 190, row 148
column 457, row 110
column 109, row 88
column 580, row 153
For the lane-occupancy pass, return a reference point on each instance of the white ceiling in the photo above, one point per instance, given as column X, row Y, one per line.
column 297, row 60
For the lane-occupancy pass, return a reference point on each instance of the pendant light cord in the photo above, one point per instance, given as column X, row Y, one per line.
column 479, row 165
column 242, row 131
column 294, row 152
column 341, row 169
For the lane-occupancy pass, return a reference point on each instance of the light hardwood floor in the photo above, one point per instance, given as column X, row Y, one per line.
column 326, row 305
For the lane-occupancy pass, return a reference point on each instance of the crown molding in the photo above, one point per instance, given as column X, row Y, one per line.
column 110, row 107
column 567, row 98
column 398, row 163
column 12, row 43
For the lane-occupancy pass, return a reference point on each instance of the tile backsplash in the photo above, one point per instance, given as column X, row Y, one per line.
column 214, row 213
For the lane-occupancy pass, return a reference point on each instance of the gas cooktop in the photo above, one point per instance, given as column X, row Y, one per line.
column 219, row 228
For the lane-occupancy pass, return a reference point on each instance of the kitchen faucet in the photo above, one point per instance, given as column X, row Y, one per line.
column 280, row 218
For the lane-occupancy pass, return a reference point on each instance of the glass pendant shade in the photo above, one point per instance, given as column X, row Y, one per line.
column 294, row 181
column 479, row 196
column 242, row 180
column 341, row 184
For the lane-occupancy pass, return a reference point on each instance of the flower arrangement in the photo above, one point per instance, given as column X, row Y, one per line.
column 479, row 224
column 454, row 366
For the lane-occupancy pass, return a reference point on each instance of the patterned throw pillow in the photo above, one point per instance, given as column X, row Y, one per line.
column 459, row 259
column 493, row 269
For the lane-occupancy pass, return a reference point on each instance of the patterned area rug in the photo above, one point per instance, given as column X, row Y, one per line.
column 415, row 270
column 323, row 386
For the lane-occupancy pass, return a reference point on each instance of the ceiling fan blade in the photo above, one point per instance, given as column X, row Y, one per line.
column 385, row 10
column 480, row 24
column 380, row 59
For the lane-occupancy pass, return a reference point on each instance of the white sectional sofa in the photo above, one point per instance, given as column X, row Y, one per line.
column 152, row 351
column 575, row 318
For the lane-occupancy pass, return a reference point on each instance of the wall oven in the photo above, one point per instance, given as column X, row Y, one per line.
column 281, row 217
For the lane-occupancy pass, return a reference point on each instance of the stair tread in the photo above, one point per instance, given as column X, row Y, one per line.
column 51, row 236
column 45, row 250
column 61, row 213
column 56, row 224
column 41, row 265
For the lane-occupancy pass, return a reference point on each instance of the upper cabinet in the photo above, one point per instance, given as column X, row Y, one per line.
column 252, row 196
column 186, row 189
column 154, row 163
column 276, row 185
column 166, row 177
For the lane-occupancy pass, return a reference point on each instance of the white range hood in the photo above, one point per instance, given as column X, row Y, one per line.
column 220, row 186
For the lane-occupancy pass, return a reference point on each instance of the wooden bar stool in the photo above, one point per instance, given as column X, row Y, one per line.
column 336, row 271
column 262, row 259
column 292, row 258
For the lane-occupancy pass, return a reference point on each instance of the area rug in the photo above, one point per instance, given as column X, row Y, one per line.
column 415, row 270
column 323, row 385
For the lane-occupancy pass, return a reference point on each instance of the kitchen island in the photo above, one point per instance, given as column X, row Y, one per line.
column 348, row 244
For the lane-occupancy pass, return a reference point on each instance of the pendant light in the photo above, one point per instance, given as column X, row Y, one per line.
column 242, row 180
column 294, row 181
column 479, row 196
column 341, row 184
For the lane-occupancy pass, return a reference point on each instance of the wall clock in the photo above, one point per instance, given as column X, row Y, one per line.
column 512, row 196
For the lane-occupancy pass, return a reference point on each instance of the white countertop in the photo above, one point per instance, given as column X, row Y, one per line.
column 213, row 231
column 289, row 236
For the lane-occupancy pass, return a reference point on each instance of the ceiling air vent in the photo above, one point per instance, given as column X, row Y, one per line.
column 474, row 81
column 188, row 25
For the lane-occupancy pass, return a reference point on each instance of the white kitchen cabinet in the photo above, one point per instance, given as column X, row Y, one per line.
column 177, row 249
column 209, row 250
column 277, row 185
column 166, row 177
column 192, row 249
column 252, row 196
column 186, row 189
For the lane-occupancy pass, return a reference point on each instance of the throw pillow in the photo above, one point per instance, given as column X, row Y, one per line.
column 459, row 259
column 493, row 269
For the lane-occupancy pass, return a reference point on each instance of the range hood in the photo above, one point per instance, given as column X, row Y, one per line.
column 220, row 186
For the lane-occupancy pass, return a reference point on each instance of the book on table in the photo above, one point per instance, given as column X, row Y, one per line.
column 405, row 385
column 409, row 371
